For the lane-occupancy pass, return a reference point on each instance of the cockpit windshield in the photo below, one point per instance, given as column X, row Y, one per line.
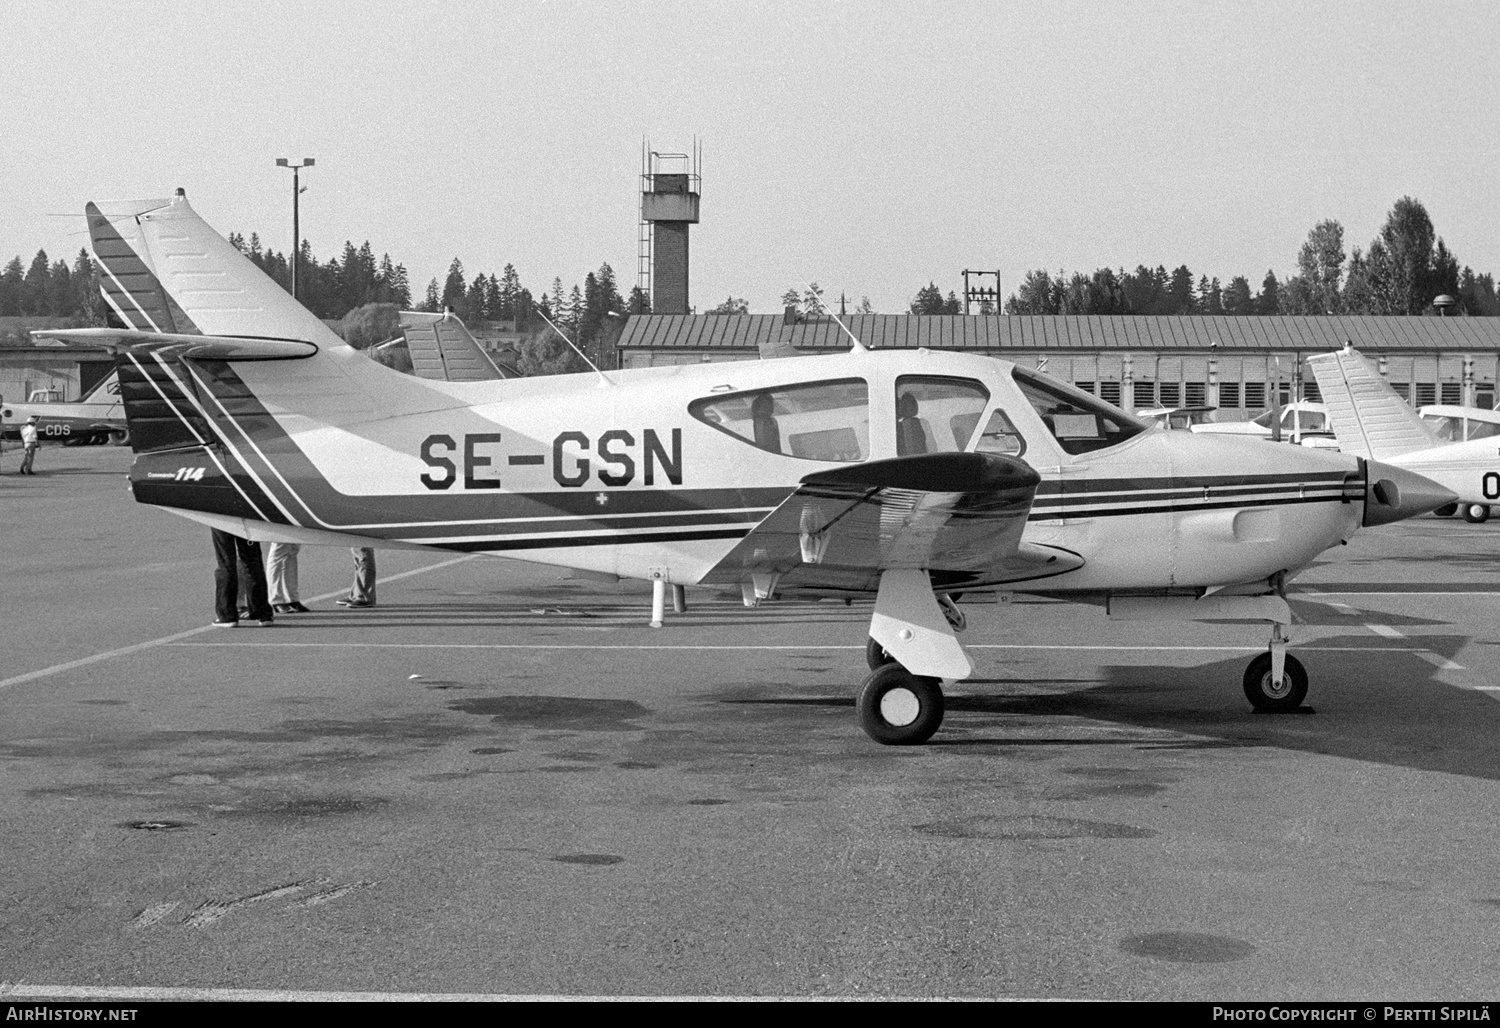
column 1080, row 422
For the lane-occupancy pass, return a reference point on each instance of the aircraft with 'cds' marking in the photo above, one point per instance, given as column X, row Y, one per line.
column 904, row 475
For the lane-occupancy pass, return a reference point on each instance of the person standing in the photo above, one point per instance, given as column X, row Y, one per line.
column 30, row 442
column 281, row 572
column 234, row 554
column 362, row 592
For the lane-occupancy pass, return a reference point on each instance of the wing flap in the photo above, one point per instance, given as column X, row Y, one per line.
column 958, row 515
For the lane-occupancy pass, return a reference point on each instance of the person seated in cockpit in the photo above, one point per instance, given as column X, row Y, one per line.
column 911, row 431
column 763, row 420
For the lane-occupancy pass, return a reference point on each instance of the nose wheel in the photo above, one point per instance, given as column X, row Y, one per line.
column 898, row 708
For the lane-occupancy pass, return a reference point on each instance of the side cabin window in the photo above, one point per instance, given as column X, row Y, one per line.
column 936, row 414
column 827, row 421
column 1079, row 422
column 1449, row 430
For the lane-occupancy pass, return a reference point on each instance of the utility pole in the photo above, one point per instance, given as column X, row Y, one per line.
column 307, row 162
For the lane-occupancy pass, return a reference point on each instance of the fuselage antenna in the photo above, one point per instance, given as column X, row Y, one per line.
column 826, row 310
column 576, row 350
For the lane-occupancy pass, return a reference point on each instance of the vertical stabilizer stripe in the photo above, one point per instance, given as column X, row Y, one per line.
column 129, row 275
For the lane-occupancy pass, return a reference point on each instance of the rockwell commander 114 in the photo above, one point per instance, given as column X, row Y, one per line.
column 909, row 475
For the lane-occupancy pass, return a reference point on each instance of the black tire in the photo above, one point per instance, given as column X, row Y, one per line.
column 119, row 438
column 1476, row 513
column 1262, row 696
column 1446, row 511
column 876, row 656
column 898, row 708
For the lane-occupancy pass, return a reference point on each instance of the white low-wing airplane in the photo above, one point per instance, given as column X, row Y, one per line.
column 1371, row 420
column 906, row 474
column 95, row 417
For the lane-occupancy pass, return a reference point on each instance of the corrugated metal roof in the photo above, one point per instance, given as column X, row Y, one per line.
column 1074, row 333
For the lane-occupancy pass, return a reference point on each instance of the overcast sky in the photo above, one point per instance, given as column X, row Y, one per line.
column 871, row 147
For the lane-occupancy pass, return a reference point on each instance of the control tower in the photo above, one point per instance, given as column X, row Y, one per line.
column 670, row 184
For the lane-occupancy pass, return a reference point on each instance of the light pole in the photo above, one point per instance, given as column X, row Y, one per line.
column 307, row 162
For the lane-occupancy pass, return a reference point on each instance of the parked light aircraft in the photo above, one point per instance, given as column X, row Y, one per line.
column 1302, row 421
column 1455, row 424
column 1372, row 420
column 908, row 475
column 97, row 417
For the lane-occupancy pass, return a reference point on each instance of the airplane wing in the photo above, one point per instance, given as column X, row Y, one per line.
column 957, row 515
column 1368, row 418
column 200, row 347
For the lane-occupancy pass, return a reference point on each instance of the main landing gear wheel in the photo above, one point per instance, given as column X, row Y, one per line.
column 876, row 656
column 898, row 708
column 1447, row 510
column 1278, row 698
column 1476, row 513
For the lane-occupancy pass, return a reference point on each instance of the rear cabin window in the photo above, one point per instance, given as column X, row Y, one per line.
column 936, row 414
column 827, row 421
column 1079, row 422
column 1449, row 430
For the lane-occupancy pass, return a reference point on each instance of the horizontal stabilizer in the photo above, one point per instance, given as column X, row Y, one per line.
column 198, row 347
column 443, row 348
column 1368, row 417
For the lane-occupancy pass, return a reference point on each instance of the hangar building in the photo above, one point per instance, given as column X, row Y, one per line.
column 1241, row 365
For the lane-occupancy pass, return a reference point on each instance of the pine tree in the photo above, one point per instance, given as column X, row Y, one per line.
column 471, row 308
column 87, row 303
column 929, row 300
column 34, row 286
column 573, row 313
column 510, row 292
column 12, row 287
column 609, row 291
column 1269, row 300
column 453, row 286
column 1237, row 298
column 60, row 297
column 401, row 289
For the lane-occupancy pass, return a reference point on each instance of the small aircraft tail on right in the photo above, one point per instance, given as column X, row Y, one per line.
column 1368, row 417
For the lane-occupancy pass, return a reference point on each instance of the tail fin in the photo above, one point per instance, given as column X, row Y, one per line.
column 1369, row 418
column 156, row 252
column 106, row 390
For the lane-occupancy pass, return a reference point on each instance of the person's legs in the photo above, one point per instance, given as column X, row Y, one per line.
column 281, row 572
column 363, row 590
column 259, row 603
column 226, row 579
column 26, row 460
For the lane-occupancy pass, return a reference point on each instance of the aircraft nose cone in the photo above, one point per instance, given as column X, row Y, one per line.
column 1392, row 494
